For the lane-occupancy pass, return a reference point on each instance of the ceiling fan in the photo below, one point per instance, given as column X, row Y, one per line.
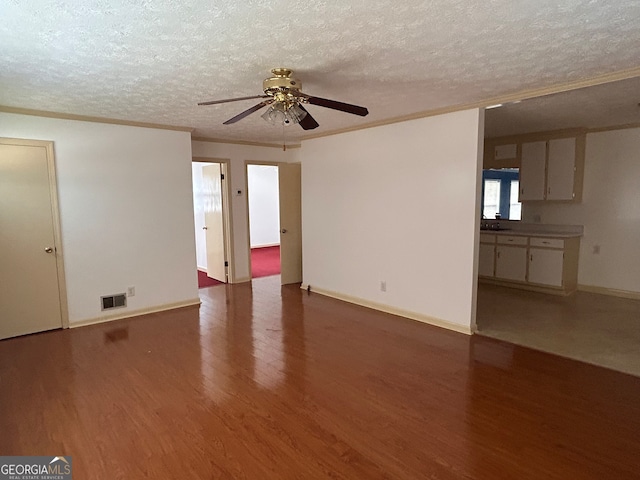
column 284, row 97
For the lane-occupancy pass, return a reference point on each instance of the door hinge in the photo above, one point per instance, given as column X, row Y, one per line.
column 226, row 264
column 222, row 176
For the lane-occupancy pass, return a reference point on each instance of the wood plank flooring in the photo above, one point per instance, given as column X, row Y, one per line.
column 268, row 382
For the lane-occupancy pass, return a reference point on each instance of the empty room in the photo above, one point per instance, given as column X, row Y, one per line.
column 452, row 290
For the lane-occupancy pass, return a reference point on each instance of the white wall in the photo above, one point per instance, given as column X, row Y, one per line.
column 126, row 211
column 264, row 205
column 237, row 155
column 609, row 211
column 397, row 203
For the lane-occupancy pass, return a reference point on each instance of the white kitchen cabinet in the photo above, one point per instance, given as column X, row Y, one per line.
column 511, row 263
column 545, row 266
column 533, row 262
column 561, row 166
column 486, row 260
column 533, row 171
column 551, row 169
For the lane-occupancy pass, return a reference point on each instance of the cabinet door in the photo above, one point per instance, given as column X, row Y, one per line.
column 561, row 169
column 511, row 263
column 532, row 171
column 545, row 266
column 486, row 260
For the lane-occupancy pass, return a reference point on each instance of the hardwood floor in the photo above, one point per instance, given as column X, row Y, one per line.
column 268, row 382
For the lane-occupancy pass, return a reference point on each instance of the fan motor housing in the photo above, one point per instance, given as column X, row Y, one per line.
column 281, row 82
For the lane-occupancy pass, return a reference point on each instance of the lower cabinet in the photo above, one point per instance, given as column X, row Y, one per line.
column 545, row 266
column 486, row 261
column 535, row 263
column 511, row 263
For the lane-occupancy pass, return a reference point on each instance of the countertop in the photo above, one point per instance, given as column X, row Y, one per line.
column 530, row 233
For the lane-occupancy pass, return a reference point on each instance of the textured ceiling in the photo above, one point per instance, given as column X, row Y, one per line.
column 599, row 106
column 152, row 61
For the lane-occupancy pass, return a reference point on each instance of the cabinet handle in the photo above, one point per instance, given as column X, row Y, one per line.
column 531, row 257
column 498, row 254
column 548, row 190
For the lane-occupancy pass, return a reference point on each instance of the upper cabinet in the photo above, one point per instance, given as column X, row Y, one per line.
column 533, row 171
column 561, row 169
column 551, row 168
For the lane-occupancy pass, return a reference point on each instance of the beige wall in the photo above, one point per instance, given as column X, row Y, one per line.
column 126, row 211
column 399, row 204
column 609, row 211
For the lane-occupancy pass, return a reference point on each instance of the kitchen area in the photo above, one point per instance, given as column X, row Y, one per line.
column 557, row 265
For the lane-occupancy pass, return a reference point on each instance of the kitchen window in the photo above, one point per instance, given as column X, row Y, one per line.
column 500, row 194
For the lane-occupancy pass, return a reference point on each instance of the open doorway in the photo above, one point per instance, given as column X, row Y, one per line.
column 212, row 227
column 263, row 193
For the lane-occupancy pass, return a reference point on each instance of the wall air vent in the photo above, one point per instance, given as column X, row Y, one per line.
column 113, row 301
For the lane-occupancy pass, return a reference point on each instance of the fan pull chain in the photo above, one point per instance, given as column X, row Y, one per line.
column 284, row 142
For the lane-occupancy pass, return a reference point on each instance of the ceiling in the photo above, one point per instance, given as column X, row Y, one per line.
column 599, row 106
column 153, row 61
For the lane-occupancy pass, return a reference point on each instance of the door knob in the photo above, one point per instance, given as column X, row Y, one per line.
column 284, row 230
column 48, row 250
column 204, row 228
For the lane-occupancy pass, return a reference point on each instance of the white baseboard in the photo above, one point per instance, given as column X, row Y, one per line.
column 135, row 313
column 609, row 291
column 436, row 322
column 202, row 269
column 266, row 245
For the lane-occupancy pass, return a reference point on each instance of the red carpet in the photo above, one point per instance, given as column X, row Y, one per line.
column 265, row 261
column 204, row 281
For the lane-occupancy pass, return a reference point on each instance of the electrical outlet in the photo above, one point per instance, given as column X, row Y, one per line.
column 383, row 285
column 131, row 292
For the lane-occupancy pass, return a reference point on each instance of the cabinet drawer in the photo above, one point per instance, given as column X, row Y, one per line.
column 486, row 238
column 512, row 240
column 546, row 242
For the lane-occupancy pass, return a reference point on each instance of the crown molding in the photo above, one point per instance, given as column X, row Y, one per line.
column 85, row 118
column 242, row 142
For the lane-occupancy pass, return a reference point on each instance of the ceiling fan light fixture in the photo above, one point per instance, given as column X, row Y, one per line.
column 280, row 113
column 296, row 113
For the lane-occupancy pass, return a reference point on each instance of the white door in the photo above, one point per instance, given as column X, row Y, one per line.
column 511, row 263
column 545, row 266
column 29, row 286
column 561, row 169
column 214, row 222
column 289, row 179
column 532, row 171
column 486, row 260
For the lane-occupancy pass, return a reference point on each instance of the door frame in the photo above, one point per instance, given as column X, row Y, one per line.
column 55, row 214
column 246, row 189
column 227, row 226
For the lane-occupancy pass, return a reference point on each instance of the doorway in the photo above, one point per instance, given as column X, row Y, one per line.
column 212, row 222
column 263, row 196
column 33, row 294
column 279, row 185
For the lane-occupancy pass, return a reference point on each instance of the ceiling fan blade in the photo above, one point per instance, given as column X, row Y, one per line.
column 333, row 104
column 308, row 122
column 247, row 112
column 215, row 102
